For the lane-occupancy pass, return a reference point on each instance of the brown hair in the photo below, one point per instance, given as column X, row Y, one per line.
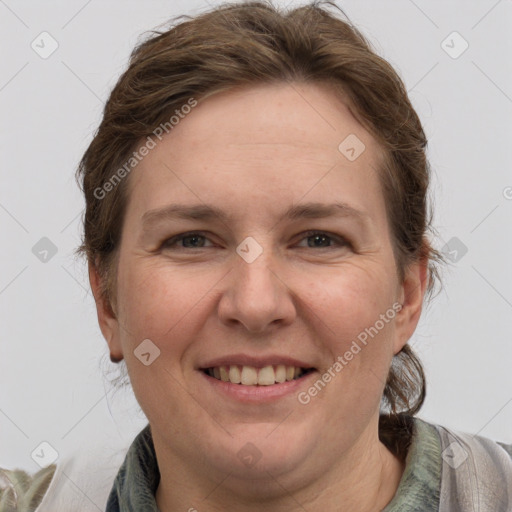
column 249, row 44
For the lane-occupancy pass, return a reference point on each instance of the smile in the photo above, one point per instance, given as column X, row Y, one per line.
column 252, row 376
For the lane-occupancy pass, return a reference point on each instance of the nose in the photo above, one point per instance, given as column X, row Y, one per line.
column 256, row 296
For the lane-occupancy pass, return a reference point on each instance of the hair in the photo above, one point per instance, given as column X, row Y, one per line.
column 250, row 44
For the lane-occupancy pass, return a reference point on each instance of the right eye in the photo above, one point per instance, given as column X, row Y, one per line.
column 192, row 239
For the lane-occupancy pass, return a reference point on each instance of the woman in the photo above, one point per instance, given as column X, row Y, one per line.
column 258, row 243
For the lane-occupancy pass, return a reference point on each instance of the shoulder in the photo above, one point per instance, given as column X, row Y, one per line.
column 476, row 472
column 84, row 477
column 447, row 470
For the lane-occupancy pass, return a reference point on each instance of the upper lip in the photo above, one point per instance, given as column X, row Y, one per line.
column 255, row 361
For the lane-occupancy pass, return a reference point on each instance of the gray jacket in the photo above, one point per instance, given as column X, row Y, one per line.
column 445, row 471
column 449, row 471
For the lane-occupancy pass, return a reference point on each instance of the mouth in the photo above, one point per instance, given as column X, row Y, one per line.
column 269, row 375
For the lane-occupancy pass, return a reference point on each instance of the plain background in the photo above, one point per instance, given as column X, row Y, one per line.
column 53, row 357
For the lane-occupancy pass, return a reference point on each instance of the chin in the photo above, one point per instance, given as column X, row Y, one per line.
column 259, row 451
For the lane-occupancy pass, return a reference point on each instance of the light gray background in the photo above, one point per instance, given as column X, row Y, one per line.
column 52, row 352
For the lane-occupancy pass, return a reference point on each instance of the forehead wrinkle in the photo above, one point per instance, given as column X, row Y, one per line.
column 311, row 210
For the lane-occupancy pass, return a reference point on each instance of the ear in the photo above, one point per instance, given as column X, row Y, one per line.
column 107, row 319
column 411, row 295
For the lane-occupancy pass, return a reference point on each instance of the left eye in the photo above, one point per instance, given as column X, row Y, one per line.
column 320, row 239
column 196, row 240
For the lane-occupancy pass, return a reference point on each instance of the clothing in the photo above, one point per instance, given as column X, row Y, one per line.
column 445, row 471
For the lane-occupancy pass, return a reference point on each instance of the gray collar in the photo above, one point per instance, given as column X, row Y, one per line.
column 420, row 486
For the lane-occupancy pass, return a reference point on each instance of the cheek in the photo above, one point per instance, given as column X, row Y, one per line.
column 155, row 300
column 351, row 301
column 164, row 307
column 355, row 323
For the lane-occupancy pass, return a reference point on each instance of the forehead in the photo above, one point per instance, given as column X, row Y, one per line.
column 279, row 139
column 273, row 116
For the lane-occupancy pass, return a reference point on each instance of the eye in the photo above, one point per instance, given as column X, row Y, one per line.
column 190, row 240
column 198, row 239
column 320, row 239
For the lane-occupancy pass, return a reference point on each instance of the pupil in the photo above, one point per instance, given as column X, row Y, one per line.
column 192, row 237
column 316, row 238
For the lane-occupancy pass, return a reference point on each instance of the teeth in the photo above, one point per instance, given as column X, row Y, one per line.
column 266, row 376
column 224, row 375
column 251, row 376
column 280, row 373
column 234, row 374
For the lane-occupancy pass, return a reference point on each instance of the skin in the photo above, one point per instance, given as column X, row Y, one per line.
column 255, row 152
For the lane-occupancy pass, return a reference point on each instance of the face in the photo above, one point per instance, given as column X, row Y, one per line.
column 254, row 248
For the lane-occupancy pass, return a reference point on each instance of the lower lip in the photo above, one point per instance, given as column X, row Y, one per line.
column 258, row 394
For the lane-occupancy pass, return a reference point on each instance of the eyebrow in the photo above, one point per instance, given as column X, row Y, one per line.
column 208, row 212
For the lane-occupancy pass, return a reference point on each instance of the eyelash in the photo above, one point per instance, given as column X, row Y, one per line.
column 341, row 241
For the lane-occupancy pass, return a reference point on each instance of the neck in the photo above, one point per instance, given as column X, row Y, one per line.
column 364, row 480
